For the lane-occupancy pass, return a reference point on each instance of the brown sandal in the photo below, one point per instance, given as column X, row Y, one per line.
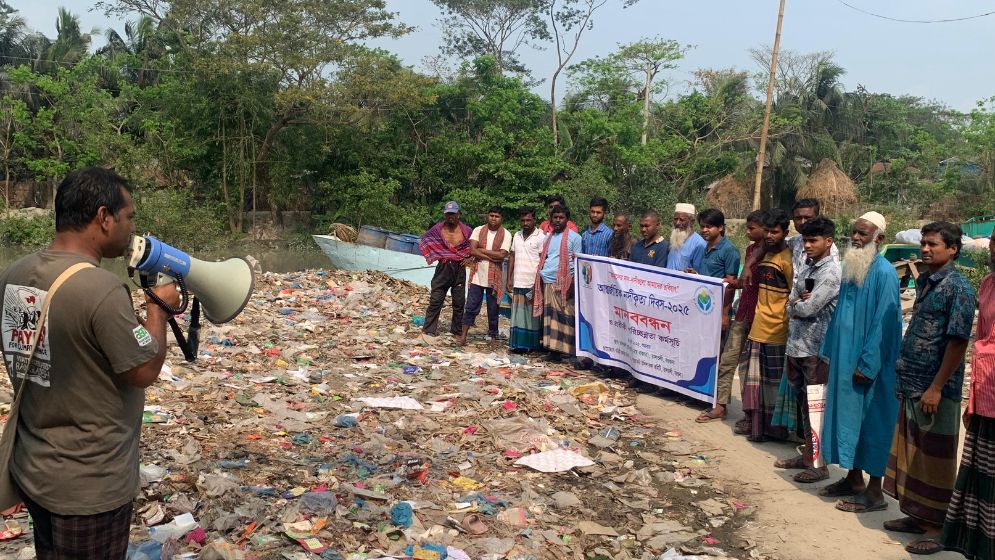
column 811, row 475
column 792, row 463
column 710, row 415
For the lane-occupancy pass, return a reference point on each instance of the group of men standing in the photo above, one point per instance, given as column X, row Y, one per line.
column 807, row 320
column 541, row 265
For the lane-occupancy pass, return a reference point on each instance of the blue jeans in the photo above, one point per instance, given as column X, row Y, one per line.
column 474, row 299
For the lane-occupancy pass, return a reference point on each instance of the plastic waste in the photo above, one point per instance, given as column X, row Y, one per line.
column 175, row 529
column 322, row 503
column 401, row 515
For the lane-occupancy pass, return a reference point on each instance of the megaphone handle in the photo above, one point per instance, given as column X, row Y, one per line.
column 190, row 343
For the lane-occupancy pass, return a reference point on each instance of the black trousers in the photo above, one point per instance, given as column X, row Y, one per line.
column 448, row 276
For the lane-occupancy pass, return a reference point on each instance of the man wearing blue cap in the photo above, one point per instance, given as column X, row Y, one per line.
column 448, row 242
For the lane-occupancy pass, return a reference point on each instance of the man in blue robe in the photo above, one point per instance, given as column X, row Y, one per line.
column 862, row 346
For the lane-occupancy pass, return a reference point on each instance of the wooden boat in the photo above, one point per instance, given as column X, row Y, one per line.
column 353, row 256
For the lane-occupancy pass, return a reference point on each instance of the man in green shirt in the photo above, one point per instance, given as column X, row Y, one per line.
column 75, row 459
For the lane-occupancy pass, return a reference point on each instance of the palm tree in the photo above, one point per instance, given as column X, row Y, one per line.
column 141, row 45
column 70, row 45
column 12, row 31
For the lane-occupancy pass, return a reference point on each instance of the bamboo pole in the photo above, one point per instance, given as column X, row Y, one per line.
column 770, row 102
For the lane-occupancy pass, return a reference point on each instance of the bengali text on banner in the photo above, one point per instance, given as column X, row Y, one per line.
column 663, row 326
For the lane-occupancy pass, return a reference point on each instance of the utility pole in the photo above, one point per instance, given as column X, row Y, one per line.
column 770, row 102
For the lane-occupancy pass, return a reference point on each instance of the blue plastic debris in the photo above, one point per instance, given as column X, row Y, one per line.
column 401, row 514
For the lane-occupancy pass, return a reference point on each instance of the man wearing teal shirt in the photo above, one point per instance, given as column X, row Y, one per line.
column 861, row 346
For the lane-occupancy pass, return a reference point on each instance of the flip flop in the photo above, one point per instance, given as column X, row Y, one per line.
column 811, row 475
column 792, row 463
column 708, row 416
column 932, row 547
column 904, row 525
column 839, row 489
column 474, row 525
column 860, row 504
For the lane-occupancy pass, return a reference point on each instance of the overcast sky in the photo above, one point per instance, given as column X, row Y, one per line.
column 948, row 62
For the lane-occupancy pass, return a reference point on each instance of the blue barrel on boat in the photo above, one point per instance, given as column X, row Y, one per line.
column 372, row 236
column 402, row 243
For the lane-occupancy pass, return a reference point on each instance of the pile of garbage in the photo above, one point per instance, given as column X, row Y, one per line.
column 320, row 425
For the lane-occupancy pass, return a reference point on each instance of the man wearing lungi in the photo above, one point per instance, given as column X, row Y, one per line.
column 526, row 329
column 969, row 527
column 930, row 376
column 554, row 295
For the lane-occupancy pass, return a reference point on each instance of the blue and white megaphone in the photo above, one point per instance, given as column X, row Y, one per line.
column 223, row 288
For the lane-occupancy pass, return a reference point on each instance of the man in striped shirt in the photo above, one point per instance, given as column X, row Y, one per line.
column 596, row 239
column 969, row 527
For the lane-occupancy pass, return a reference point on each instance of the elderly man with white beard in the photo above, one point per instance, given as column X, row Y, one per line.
column 861, row 347
column 687, row 247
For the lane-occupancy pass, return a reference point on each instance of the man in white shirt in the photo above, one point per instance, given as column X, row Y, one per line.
column 489, row 246
column 526, row 329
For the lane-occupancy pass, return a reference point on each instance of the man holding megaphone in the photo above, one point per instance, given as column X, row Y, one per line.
column 79, row 361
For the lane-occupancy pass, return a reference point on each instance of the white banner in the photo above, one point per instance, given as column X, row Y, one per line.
column 663, row 326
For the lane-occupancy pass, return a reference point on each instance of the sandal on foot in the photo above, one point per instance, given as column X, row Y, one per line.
column 792, row 463
column 904, row 525
column 924, row 547
column 710, row 415
column 756, row 439
column 743, row 429
column 838, row 489
column 860, row 504
column 811, row 475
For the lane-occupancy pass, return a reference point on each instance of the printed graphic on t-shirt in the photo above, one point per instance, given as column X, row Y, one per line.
column 143, row 336
column 21, row 313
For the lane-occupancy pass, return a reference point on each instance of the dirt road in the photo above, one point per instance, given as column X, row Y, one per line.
column 792, row 522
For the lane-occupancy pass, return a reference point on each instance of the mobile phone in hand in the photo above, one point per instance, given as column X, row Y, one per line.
column 809, row 284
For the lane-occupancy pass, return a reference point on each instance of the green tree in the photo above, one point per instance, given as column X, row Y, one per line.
column 498, row 28
column 568, row 20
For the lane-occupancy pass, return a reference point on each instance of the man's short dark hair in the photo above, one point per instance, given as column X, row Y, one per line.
column 807, row 203
column 651, row 215
column 950, row 234
column 598, row 201
column 560, row 209
column 496, row 210
column 83, row 192
column 557, row 198
column 774, row 217
column 527, row 211
column 622, row 215
column 755, row 217
column 712, row 217
column 819, row 226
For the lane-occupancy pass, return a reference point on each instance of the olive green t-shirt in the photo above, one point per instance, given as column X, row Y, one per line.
column 77, row 436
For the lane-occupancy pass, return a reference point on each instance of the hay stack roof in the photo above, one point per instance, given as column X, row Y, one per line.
column 831, row 187
column 732, row 196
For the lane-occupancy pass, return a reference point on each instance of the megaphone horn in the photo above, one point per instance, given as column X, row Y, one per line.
column 223, row 288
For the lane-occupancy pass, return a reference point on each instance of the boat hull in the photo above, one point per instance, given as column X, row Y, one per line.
column 352, row 256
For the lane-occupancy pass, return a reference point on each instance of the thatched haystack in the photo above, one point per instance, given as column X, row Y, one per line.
column 831, row 187
column 731, row 195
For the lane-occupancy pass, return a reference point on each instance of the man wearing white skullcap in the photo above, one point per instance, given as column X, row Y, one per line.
column 687, row 247
column 862, row 346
